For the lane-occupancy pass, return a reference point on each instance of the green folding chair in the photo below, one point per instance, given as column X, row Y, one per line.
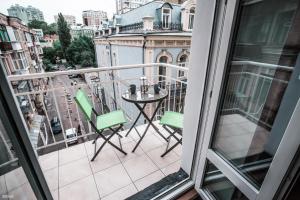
column 172, row 122
column 103, row 122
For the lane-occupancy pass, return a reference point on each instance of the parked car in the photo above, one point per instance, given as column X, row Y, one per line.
column 71, row 135
column 55, row 125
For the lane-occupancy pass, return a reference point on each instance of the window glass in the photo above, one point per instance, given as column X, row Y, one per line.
column 220, row 187
column 260, row 86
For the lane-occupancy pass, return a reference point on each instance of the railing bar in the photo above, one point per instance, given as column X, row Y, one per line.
column 175, row 95
column 89, row 70
column 58, row 112
column 179, row 109
column 47, row 117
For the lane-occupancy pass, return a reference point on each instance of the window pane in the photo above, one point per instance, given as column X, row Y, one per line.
column 219, row 186
column 256, row 107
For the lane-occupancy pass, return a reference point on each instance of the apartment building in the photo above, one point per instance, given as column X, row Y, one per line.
column 93, row 18
column 124, row 6
column 26, row 14
column 70, row 19
column 20, row 47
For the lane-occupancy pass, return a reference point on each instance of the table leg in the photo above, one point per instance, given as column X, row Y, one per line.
column 134, row 123
column 150, row 120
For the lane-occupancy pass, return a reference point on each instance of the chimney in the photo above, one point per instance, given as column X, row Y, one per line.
column 148, row 23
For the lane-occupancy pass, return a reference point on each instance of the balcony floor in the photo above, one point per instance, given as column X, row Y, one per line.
column 71, row 175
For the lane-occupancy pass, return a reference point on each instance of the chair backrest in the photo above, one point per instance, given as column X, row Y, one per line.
column 84, row 104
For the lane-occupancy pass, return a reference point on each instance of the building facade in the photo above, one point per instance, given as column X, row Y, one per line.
column 20, row 47
column 70, row 19
column 152, row 33
column 25, row 14
column 93, row 18
column 124, row 6
column 77, row 31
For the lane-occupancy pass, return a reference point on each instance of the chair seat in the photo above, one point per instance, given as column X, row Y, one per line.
column 110, row 119
column 173, row 119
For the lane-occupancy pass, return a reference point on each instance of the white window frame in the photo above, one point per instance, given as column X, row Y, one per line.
column 21, row 62
column 191, row 16
column 163, row 18
column 206, row 73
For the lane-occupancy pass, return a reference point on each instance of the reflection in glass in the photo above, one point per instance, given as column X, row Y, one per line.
column 13, row 181
column 219, row 186
column 256, row 106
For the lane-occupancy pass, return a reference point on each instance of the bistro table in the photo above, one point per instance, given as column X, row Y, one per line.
column 140, row 100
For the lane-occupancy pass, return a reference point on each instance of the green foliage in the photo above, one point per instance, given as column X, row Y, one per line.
column 47, row 29
column 49, row 54
column 81, row 52
column 47, row 65
column 63, row 33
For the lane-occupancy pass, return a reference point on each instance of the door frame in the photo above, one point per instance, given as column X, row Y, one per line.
column 18, row 135
column 224, row 25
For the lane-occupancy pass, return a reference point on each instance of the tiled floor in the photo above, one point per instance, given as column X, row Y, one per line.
column 71, row 175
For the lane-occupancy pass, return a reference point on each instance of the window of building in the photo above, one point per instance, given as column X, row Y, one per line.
column 166, row 18
column 191, row 17
column 3, row 34
column 182, row 63
column 19, row 60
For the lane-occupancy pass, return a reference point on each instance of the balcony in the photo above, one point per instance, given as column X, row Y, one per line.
column 67, row 167
column 113, row 175
column 6, row 46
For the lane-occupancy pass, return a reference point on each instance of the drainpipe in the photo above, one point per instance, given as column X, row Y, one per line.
column 144, row 48
column 112, row 74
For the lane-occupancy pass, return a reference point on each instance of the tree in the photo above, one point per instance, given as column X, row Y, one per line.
column 81, row 52
column 49, row 54
column 47, row 29
column 63, row 33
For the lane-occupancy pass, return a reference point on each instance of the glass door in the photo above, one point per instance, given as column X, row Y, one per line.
column 253, row 135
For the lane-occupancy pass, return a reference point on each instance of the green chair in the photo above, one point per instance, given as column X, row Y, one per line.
column 103, row 122
column 172, row 122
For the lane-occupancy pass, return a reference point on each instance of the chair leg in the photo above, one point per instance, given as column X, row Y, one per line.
column 171, row 148
column 106, row 140
column 172, row 134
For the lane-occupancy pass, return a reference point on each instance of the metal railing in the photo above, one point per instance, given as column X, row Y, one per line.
column 48, row 98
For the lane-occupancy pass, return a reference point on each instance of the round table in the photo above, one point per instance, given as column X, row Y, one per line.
column 144, row 99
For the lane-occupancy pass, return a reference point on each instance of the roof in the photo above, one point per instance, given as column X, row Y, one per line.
column 149, row 9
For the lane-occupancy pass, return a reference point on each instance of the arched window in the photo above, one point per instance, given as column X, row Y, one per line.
column 191, row 18
column 162, row 71
column 183, row 59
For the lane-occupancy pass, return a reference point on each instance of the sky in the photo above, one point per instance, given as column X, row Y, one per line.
column 68, row 7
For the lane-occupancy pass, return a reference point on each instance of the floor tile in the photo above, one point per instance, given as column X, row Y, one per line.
column 90, row 147
column 174, row 167
column 161, row 162
column 52, row 178
column 3, row 189
column 83, row 189
column 111, row 179
column 54, row 194
column 24, row 192
column 15, row 178
column 73, row 171
column 139, row 167
column 49, row 161
column 105, row 159
column 149, row 180
column 71, row 154
column 128, row 147
column 150, row 142
column 122, row 193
